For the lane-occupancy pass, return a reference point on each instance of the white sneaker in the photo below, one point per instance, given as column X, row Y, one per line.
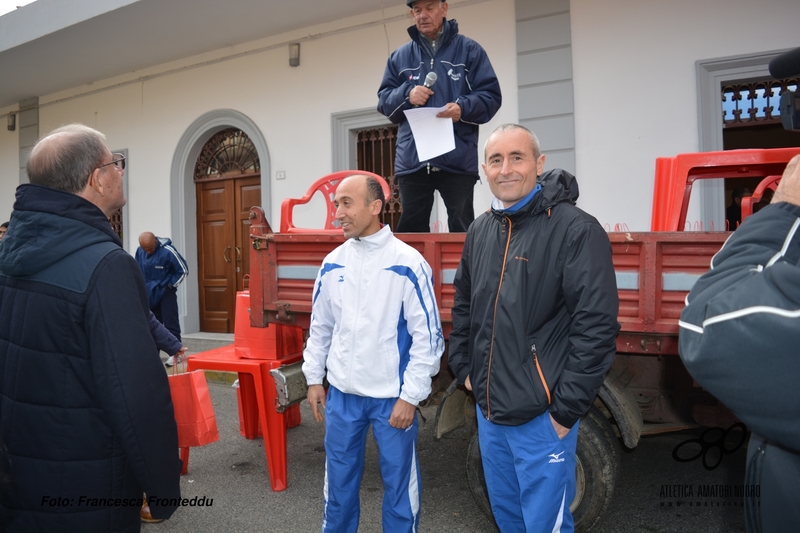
column 171, row 361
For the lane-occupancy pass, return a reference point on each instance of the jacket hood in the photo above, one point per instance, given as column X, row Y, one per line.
column 48, row 225
column 558, row 186
column 449, row 29
column 164, row 241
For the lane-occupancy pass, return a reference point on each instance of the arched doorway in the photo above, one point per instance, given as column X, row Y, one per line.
column 227, row 179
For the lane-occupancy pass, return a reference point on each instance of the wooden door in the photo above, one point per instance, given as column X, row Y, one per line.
column 223, row 224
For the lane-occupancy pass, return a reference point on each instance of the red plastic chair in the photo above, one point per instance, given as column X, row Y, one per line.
column 770, row 182
column 327, row 186
column 676, row 175
column 254, row 352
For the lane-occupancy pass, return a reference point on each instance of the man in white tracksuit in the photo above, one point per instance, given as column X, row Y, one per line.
column 375, row 328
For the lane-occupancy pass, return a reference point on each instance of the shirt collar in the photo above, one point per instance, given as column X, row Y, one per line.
column 523, row 202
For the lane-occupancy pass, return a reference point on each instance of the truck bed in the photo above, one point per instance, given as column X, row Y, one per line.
column 654, row 270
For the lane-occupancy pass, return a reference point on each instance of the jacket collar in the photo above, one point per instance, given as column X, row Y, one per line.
column 48, row 225
column 36, row 198
column 449, row 30
column 375, row 241
column 558, row 186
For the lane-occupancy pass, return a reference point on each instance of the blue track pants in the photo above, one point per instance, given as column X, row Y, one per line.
column 347, row 419
column 530, row 474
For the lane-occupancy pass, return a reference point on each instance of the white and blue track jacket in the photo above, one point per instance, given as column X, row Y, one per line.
column 374, row 322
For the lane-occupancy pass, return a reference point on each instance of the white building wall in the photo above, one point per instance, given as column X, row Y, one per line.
column 292, row 107
column 9, row 175
column 635, row 88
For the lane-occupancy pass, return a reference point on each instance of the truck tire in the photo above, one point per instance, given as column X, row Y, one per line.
column 597, row 466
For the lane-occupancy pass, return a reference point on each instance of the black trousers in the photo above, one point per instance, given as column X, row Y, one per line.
column 416, row 195
column 167, row 312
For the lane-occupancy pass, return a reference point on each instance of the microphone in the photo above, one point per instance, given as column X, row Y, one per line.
column 430, row 79
column 786, row 65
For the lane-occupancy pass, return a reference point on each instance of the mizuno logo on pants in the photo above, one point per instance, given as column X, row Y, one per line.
column 556, row 458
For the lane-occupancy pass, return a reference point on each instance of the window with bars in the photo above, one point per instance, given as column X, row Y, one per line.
column 228, row 152
column 375, row 153
column 754, row 102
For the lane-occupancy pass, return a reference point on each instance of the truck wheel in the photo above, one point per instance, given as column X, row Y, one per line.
column 596, row 470
column 597, row 465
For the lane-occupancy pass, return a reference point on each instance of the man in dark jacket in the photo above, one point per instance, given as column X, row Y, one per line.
column 534, row 330
column 466, row 85
column 86, row 419
column 163, row 269
column 740, row 333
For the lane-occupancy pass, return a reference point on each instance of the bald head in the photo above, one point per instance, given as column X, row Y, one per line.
column 148, row 242
column 64, row 158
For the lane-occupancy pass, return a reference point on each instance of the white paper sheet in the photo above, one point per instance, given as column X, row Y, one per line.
column 433, row 136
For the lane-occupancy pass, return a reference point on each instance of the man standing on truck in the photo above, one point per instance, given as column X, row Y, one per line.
column 465, row 84
column 534, row 329
column 375, row 328
column 739, row 339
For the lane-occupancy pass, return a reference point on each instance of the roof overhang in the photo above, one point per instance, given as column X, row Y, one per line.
column 52, row 45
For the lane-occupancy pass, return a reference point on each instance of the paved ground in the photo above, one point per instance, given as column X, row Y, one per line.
column 233, row 473
column 650, row 496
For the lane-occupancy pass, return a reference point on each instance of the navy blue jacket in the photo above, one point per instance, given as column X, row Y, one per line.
column 165, row 341
column 535, row 311
column 164, row 269
column 739, row 339
column 85, row 408
column 464, row 76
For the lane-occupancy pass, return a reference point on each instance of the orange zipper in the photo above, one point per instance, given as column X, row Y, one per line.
column 541, row 374
column 494, row 320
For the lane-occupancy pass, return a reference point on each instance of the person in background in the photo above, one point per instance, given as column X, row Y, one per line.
column 3, row 229
column 733, row 213
column 466, row 87
column 375, row 331
column 164, row 269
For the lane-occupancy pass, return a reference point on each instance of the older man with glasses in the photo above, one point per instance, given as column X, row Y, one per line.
column 86, row 418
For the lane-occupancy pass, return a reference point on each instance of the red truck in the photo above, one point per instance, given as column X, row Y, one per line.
column 647, row 390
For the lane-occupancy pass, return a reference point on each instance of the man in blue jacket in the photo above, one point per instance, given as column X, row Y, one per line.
column 164, row 269
column 466, row 86
column 86, row 418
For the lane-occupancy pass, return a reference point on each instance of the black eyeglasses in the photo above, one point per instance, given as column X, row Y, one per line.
column 118, row 161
